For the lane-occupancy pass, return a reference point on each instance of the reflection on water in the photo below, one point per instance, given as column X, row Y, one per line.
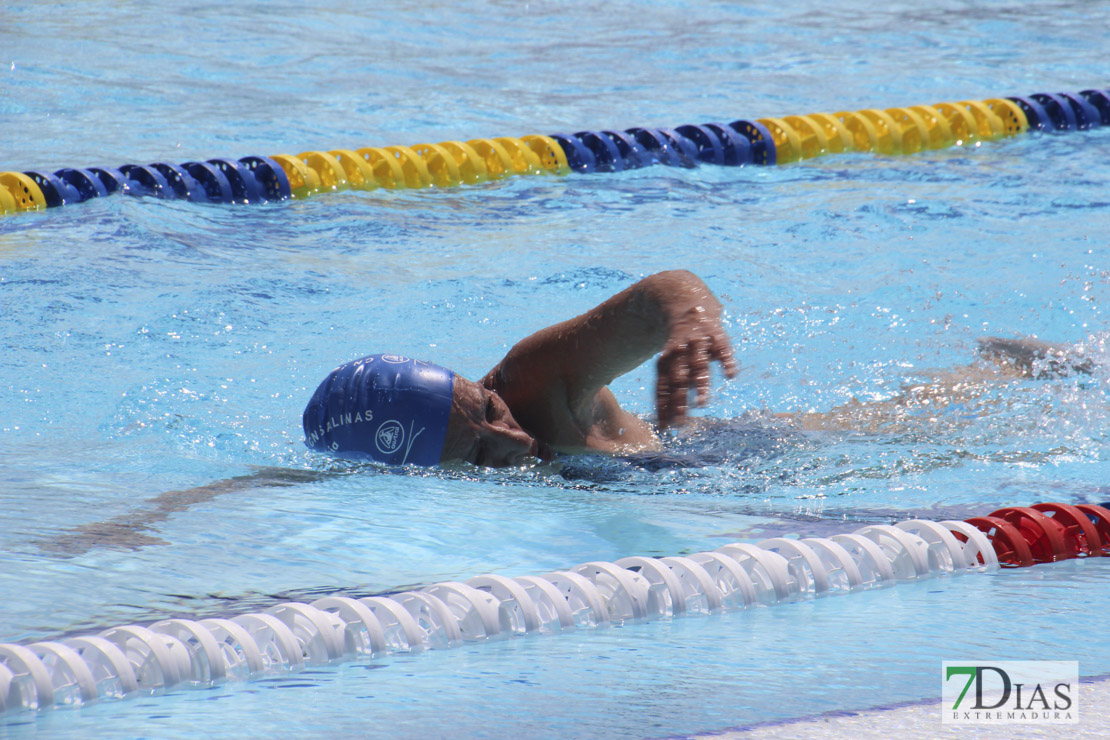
column 137, row 529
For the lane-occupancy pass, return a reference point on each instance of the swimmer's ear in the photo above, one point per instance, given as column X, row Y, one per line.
column 1032, row 358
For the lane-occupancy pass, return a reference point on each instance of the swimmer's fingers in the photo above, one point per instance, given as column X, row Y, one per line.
column 684, row 366
column 671, row 386
column 720, row 349
column 698, row 377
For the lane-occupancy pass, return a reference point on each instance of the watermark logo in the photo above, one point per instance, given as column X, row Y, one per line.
column 1032, row 692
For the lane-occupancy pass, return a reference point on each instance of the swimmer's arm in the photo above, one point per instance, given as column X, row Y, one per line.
column 670, row 312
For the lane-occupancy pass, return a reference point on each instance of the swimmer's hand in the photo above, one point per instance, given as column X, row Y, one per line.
column 696, row 339
column 555, row 381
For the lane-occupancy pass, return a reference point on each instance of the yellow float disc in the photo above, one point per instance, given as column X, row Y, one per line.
column 498, row 162
column 1010, row 113
column 412, row 165
column 837, row 135
column 387, row 170
column 940, row 133
column 890, row 134
column 963, row 125
column 551, row 155
column 788, row 145
column 332, row 176
column 912, row 130
column 865, row 138
column 812, row 134
column 440, row 163
column 360, row 175
column 7, row 202
column 525, row 161
column 303, row 180
column 26, row 195
column 472, row 168
column 990, row 125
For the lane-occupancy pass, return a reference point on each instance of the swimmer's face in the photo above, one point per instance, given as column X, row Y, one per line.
column 481, row 429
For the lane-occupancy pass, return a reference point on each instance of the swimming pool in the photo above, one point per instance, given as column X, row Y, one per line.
column 161, row 345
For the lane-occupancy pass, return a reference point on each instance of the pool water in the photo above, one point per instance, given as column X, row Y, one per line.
column 155, row 346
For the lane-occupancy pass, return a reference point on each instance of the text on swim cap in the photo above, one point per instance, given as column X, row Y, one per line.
column 343, row 420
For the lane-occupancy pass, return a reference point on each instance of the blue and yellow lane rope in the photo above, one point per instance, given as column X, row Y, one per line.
column 763, row 141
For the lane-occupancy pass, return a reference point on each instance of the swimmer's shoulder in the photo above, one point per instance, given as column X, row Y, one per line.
column 541, row 404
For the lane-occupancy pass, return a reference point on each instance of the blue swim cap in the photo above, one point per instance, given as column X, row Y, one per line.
column 388, row 407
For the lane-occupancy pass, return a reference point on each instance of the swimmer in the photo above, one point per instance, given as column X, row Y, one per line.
column 548, row 395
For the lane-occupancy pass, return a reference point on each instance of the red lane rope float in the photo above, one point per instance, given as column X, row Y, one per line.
column 1046, row 532
column 1044, row 535
column 1009, row 545
column 1100, row 517
column 1080, row 534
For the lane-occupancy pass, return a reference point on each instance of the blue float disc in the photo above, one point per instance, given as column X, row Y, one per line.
column 270, row 177
column 1063, row 117
column 579, row 158
column 607, row 155
column 241, row 179
column 737, row 150
column 54, row 190
column 86, row 183
column 150, row 179
column 634, row 155
column 183, row 184
column 1035, row 113
column 216, row 187
column 655, row 145
column 759, row 138
column 1086, row 115
column 1101, row 101
column 113, row 180
column 686, row 149
column 710, row 149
